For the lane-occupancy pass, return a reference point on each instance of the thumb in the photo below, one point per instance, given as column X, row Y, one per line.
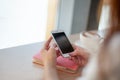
column 72, row 54
column 52, row 49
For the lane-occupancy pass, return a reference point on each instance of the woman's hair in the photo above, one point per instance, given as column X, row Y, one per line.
column 114, row 19
column 104, row 56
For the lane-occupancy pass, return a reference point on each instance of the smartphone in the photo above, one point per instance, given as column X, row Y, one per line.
column 62, row 42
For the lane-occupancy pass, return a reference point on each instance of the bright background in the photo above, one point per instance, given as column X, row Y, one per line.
column 22, row 22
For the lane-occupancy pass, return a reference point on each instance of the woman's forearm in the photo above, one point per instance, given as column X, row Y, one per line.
column 50, row 73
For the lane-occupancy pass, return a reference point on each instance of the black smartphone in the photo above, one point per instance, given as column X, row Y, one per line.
column 62, row 42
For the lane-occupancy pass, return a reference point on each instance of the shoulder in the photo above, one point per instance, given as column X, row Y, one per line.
column 114, row 45
column 115, row 42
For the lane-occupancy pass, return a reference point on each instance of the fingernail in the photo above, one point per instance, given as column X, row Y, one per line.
column 52, row 46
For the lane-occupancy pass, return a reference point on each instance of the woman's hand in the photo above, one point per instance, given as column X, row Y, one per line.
column 49, row 53
column 49, row 60
column 79, row 56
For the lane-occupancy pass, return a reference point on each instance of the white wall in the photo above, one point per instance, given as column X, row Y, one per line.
column 73, row 15
column 22, row 22
column 81, row 15
column 65, row 16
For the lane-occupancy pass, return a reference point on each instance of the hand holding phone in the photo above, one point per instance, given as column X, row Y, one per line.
column 62, row 42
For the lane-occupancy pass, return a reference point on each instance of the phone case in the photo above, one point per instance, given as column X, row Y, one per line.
column 63, row 64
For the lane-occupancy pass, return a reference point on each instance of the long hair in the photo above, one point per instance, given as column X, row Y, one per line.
column 114, row 19
column 114, row 28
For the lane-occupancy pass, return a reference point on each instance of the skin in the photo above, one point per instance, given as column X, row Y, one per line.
column 50, row 54
column 49, row 61
column 79, row 56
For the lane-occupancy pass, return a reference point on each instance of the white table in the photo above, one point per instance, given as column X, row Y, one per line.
column 16, row 63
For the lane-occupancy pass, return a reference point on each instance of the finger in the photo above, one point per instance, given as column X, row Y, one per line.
column 79, row 60
column 74, row 46
column 52, row 51
column 83, row 63
column 52, row 48
column 86, row 61
column 80, row 52
column 55, row 45
column 56, row 48
column 74, row 59
column 70, row 57
column 85, row 55
column 74, row 53
column 46, row 45
column 58, row 53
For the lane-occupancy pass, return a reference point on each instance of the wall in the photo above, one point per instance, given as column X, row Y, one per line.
column 73, row 15
column 93, row 16
column 80, row 17
column 22, row 22
column 65, row 15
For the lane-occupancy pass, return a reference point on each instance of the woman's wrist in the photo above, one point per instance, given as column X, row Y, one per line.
column 50, row 64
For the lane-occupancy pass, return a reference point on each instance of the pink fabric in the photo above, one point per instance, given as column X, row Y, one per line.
column 61, row 61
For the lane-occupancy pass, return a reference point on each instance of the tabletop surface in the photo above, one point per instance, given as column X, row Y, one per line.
column 16, row 63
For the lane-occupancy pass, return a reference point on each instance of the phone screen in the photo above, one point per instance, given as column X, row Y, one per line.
column 63, row 42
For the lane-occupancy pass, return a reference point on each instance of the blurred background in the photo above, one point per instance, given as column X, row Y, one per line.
column 30, row 21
